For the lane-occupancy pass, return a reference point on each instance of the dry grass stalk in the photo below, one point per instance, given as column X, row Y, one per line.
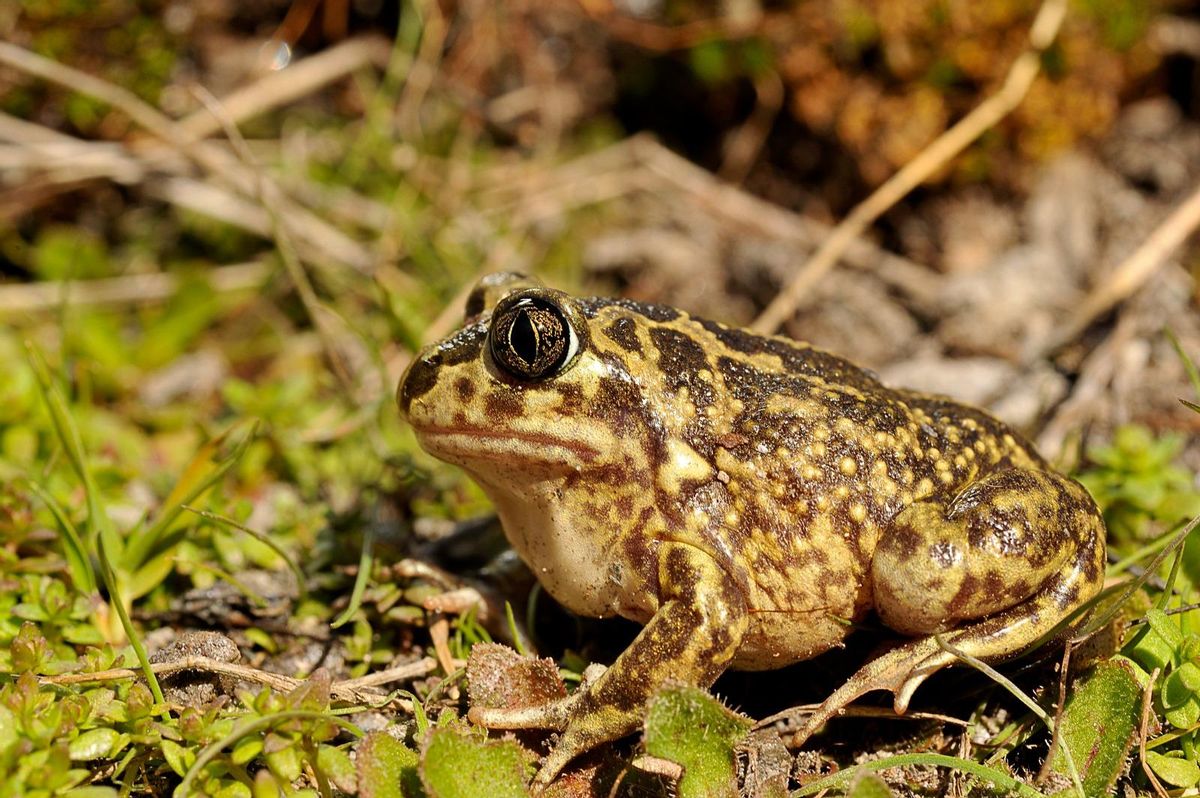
column 322, row 316
column 918, row 170
column 276, row 89
column 301, row 223
column 134, row 288
column 1133, row 272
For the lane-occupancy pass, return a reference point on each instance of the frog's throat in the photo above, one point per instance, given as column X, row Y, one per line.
column 576, row 560
column 468, row 444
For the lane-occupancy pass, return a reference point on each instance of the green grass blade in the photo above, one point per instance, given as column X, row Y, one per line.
column 1008, row 684
column 207, row 467
column 79, row 563
column 249, row 726
column 983, row 772
column 266, row 540
column 1189, row 365
column 117, row 600
column 99, row 525
column 365, row 560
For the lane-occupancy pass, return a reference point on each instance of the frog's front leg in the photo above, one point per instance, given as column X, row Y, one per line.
column 993, row 569
column 691, row 638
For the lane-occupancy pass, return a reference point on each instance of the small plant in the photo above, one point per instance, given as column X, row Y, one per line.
column 1136, row 482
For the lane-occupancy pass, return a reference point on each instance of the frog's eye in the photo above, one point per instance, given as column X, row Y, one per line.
column 531, row 337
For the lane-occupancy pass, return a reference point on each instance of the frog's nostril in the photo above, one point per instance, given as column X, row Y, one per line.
column 417, row 381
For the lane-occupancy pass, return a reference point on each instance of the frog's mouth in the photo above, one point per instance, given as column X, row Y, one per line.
column 468, row 443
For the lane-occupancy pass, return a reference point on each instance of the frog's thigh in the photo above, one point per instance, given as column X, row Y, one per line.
column 943, row 561
column 1078, row 531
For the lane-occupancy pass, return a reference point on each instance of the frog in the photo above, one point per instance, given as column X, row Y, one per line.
column 748, row 499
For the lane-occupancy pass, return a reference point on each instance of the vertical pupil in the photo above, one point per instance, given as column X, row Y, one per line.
column 523, row 338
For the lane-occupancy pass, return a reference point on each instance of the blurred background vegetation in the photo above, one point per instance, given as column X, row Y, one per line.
column 225, row 228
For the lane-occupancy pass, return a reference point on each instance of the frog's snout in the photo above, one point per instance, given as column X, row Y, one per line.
column 418, row 379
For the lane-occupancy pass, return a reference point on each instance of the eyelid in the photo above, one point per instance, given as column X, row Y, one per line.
column 572, row 341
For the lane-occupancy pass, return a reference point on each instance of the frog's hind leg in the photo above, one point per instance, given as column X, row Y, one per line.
column 992, row 569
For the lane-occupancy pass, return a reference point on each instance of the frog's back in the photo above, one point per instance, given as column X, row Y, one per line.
column 813, row 455
column 768, row 398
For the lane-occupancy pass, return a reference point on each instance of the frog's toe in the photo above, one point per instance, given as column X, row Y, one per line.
column 552, row 715
column 900, row 671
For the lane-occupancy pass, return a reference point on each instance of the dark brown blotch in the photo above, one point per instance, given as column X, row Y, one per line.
column 572, row 398
column 418, row 381
column 462, row 347
column 795, row 358
column 504, row 405
column 619, row 403
column 967, row 591
column 680, row 360
column 623, row 332
column 590, row 306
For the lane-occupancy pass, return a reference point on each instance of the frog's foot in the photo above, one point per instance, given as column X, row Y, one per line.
column 554, row 715
column 583, row 724
column 899, row 671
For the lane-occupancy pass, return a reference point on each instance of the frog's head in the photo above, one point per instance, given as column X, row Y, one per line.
column 527, row 391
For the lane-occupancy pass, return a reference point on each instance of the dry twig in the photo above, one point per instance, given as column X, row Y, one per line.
column 935, row 156
column 1134, row 272
column 641, row 164
column 1143, row 731
column 351, row 690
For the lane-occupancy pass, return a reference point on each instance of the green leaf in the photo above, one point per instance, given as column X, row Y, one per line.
column 336, row 765
column 187, row 314
column 92, row 791
column 149, row 576
column 387, row 768
column 1185, row 715
column 870, row 786
column 691, row 728
column 29, row 650
column 94, row 744
column 1181, row 705
column 179, row 758
column 207, row 467
column 456, row 764
column 1149, row 649
column 1099, row 723
column 8, row 729
column 246, row 749
column 234, row 789
column 710, row 61
column 285, row 763
column 69, row 252
column 1175, row 771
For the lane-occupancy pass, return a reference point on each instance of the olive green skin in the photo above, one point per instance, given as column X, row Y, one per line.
column 746, row 497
